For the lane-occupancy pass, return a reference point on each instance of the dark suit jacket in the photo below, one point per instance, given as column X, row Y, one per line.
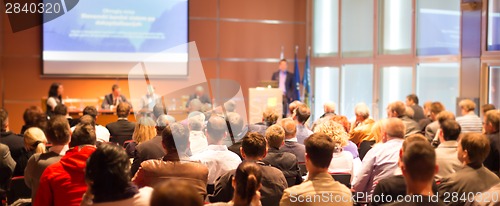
column 289, row 85
column 287, row 163
column 299, row 150
column 108, row 100
column 151, row 149
column 121, row 127
column 16, row 147
column 492, row 162
column 393, row 186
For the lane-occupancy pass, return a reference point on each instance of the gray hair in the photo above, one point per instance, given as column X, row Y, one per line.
column 230, row 105
column 196, row 120
column 362, row 109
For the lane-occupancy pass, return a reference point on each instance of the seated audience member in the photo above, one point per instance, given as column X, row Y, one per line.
column 381, row 161
column 292, row 107
column 239, row 130
column 13, row 141
column 427, row 120
column 246, row 183
column 151, row 149
column 200, row 95
column 34, row 143
column 58, row 133
column 107, row 175
column 284, row 161
column 230, row 106
column 197, row 140
column 122, row 127
column 175, row 192
column 329, row 109
column 492, row 131
column 412, row 102
column 487, row 107
column 269, row 117
column 114, row 98
column 175, row 163
column 63, row 183
column 291, row 145
column 441, row 117
column 395, row 186
column 194, row 105
column 102, row 134
column 418, row 165
column 144, row 130
column 446, row 152
column 469, row 121
column 61, row 109
column 473, row 148
column 375, row 138
column 432, row 128
column 342, row 161
column 34, row 116
column 302, row 114
column 159, row 110
column 149, row 100
column 54, row 97
column 350, row 146
column 217, row 157
column 398, row 110
column 6, row 164
column 362, row 126
column 319, row 151
column 253, row 149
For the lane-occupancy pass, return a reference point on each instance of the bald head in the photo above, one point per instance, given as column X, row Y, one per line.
column 394, row 128
column 216, row 130
column 329, row 107
column 290, row 127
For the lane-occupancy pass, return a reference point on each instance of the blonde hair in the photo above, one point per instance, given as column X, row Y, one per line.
column 377, row 129
column 334, row 130
column 144, row 130
column 467, row 105
column 35, row 140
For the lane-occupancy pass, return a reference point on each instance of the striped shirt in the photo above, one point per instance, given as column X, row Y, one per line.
column 470, row 123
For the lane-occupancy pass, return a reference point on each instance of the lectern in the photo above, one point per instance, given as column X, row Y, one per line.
column 261, row 98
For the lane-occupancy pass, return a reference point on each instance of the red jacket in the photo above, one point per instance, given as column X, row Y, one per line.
column 63, row 183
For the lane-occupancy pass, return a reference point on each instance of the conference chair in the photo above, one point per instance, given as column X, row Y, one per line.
column 17, row 190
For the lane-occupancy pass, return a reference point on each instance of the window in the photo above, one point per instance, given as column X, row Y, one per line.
column 357, row 28
column 438, row 82
column 438, row 27
column 326, row 28
column 493, row 25
column 395, row 85
column 356, row 87
column 395, row 26
column 494, row 86
column 326, row 88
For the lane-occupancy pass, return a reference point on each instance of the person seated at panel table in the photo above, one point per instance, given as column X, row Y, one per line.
column 200, row 94
column 149, row 100
column 114, row 98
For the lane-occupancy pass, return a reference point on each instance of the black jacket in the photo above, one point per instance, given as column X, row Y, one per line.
column 289, row 85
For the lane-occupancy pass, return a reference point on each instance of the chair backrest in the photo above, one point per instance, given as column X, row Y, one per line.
column 125, row 144
column 17, row 190
column 302, row 168
column 5, row 175
column 343, row 178
column 120, row 140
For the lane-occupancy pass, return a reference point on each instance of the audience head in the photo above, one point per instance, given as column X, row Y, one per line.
column 492, row 121
column 361, row 111
column 58, row 131
column 175, row 138
column 270, row 116
column 275, row 136
column 292, row 106
column 487, row 107
column 199, row 90
column 396, row 109
column 409, row 112
column 115, row 89
column 84, row 134
column 290, row 127
column 35, row 140
column 34, row 116
column 435, row 109
column 107, row 172
column 450, row 130
column 411, row 100
column 230, row 106
column 236, row 123
column 445, row 115
column 4, row 120
column 161, row 123
column 394, row 128
column 319, row 151
column 196, row 121
column 195, row 105
column 419, row 162
column 467, row 106
column 216, row 130
column 90, row 110
column 175, row 192
column 61, row 109
column 253, row 146
column 333, row 130
column 246, row 183
column 342, row 120
column 329, row 107
column 411, row 139
column 283, row 65
column 87, row 119
column 144, row 130
column 302, row 113
column 56, row 90
column 159, row 110
column 427, row 108
column 473, row 148
column 123, row 110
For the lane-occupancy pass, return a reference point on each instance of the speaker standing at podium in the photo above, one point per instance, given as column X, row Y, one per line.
column 286, row 84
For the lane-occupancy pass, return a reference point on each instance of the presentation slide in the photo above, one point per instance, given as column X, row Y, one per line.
column 108, row 38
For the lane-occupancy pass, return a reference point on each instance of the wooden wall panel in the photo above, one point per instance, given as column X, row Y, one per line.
column 285, row 10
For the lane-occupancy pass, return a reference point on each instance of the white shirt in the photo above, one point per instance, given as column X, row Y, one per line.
column 341, row 163
column 142, row 198
column 197, row 142
column 101, row 133
column 218, row 159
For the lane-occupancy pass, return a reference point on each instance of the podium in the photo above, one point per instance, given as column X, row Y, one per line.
column 261, row 98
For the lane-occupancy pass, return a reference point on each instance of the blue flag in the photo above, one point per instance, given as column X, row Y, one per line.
column 296, row 78
column 306, row 81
